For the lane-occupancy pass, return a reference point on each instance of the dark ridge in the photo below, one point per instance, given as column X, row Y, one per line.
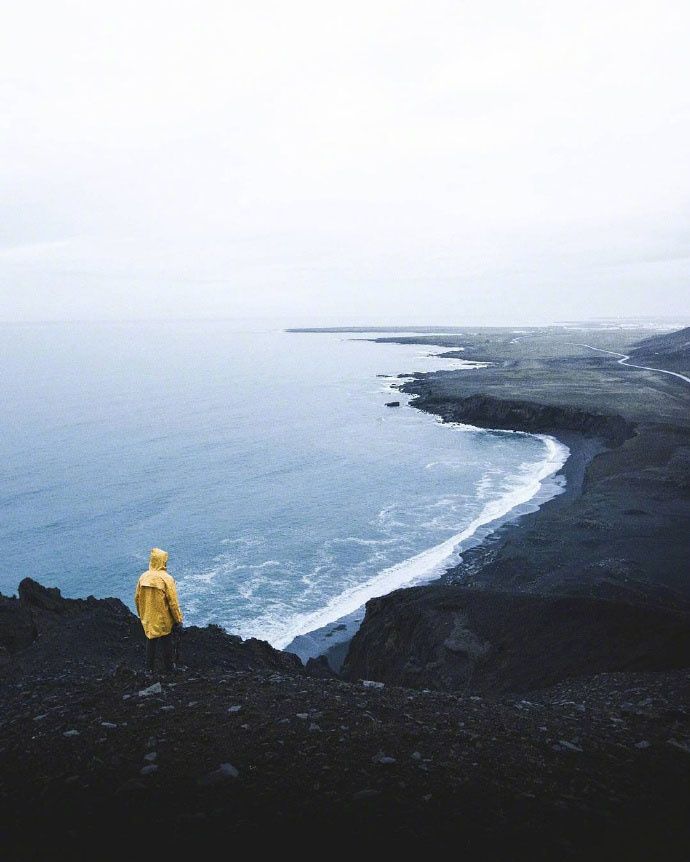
column 670, row 351
column 486, row 411
column 376, row 329
column 41, row 632
column 479, row 642
column 245, row 748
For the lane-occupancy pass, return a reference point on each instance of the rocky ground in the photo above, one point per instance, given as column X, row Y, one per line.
column 245, row 747
column 105, row 767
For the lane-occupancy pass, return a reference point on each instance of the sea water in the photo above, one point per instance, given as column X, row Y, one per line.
column 265, row 462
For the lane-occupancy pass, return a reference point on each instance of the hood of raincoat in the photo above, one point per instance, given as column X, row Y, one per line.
column 154, row 577
column 158, row 560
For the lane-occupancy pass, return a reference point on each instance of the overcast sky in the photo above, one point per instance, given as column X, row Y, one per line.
column 403, row 162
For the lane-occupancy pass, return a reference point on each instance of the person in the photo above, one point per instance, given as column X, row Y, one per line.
column 158, row 608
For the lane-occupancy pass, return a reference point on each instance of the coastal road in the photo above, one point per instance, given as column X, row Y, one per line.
column 624, row 358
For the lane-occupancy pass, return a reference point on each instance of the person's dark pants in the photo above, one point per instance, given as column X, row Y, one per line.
column 163, row 646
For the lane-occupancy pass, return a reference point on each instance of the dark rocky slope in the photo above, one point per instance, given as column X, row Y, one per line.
column 42, row 634
column 671, row 351
column 482, row 642
column 246, row 751
column 486, row 411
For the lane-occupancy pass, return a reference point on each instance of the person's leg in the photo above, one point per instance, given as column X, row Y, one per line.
column 166, row 646
column 176, row 636
column 151, row 654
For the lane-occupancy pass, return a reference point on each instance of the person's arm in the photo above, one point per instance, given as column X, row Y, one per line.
column 137, row 594
column 173, row 603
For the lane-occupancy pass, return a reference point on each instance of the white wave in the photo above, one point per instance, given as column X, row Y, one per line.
column 463, row 426
column 246, row 589
column 226, row 566
column 248, row 541
column 428, row 564
column 483, row 486
column 453, row 466
column 206, row 577
column 356, row 540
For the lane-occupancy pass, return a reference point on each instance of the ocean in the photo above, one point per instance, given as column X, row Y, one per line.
column 265, row 462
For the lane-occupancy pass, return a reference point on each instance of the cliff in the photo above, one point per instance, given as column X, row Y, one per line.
column 244, row 748
column 483, row 642
column 486, row 411
column 594, row 581
column 43, row 634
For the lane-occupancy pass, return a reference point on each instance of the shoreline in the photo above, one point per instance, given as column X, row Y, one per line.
column 582, row 450
column 483, row 543
column 497, row 401
column 310, row 644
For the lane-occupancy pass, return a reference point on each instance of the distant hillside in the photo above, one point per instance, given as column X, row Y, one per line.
column 670, row 350
column 429, row 329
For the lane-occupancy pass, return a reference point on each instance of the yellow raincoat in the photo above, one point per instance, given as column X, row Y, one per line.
column 156, row 597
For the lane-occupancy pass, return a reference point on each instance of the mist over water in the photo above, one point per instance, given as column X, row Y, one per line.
column 265, row 462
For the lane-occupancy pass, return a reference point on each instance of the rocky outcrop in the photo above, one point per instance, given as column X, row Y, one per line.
column 455, row 639
column 487, row 411
column 174, row 766
column 320, row 667
column 42, row 632
column 17, row 627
